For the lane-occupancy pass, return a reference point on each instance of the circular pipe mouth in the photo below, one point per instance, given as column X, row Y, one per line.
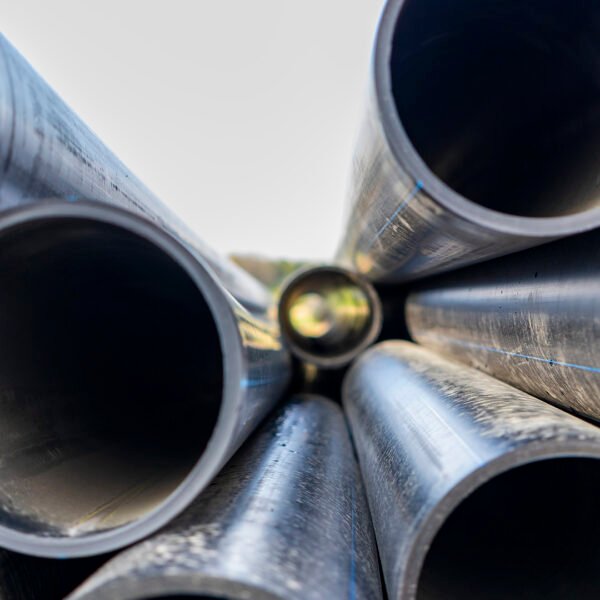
column 328, row 315
column 531, row 531
column 494, row 107
column 111, row 378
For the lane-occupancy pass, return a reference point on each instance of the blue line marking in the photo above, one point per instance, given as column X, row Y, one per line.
column 250, row 383
column 72, row 197
column 549, row 361
column 352, row 583
column 390, row 220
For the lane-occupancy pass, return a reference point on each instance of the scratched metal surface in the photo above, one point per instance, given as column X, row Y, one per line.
column 406, row 219
column 429, row 432
column 74, row 484
column 286, row 519
column 47, row 152
column 532, row 319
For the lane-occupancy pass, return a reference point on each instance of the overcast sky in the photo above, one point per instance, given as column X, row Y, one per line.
column 240, row 115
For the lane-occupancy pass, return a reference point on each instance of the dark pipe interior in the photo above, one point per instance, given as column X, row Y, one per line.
column 530, row 533
column 501, row 99
column 28, row 577
column 110, row 377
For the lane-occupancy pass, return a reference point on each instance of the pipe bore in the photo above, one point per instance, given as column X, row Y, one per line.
column 501, row 100
column 513, row 538
column 328, row 315
column 110, row 373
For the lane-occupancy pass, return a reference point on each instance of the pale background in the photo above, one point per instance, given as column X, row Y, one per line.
column 240, row 115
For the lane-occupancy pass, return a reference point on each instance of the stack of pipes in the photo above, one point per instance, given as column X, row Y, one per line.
column 173, row 427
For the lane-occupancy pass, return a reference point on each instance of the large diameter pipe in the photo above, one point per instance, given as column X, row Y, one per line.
column 531, row 319
column 287, row 519
column 482, row 135
column 477, row 489
column 47, row 152
column 128, row 376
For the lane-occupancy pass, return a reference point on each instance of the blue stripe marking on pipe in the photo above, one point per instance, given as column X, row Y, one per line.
column 250, row 383
column 549, row 361
column 402, row 205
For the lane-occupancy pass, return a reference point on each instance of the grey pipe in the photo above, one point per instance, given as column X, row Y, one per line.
column 128, row 377
column 482, row 135
column 134, row 360
column 531, row 319
column 286, row 519
column 477, row 490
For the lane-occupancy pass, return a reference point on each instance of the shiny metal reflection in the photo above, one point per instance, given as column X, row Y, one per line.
column 286, row 519
column 477, row 489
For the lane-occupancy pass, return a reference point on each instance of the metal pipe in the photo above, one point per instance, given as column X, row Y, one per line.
column 328, row 315
column 482, row 135
column 48, row 153
column 531, row 319
column 128, row 377
column 476, row 489
column 286, row 519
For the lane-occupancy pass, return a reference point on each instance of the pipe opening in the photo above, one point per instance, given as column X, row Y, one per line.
column 529, row 533
column 327, row 315
column 110, row 376
column 501, row 99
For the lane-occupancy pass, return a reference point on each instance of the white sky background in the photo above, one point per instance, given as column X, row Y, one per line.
column 240, row 115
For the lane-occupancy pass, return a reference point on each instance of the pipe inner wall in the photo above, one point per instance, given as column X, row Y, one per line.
column 111, row 377
column 512, row 537
column 501, row 100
